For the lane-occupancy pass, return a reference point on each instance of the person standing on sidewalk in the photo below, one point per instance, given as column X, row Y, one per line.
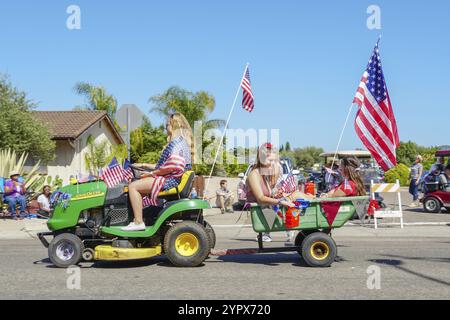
column 415, row 175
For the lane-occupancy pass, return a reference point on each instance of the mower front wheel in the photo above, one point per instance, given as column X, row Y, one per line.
column 65, row 250
column 187, row 244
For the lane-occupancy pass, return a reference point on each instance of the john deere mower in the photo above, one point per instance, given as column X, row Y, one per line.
column 86, row 222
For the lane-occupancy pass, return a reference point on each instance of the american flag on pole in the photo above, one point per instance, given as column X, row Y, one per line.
column 289, row 184
column 127, row 171
column 375, row 121
column 113, row 174
column 248, row 103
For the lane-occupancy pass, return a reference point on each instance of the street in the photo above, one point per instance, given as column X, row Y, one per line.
column 413, row 264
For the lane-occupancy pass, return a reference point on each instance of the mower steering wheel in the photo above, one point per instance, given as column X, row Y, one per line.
column 137, row 169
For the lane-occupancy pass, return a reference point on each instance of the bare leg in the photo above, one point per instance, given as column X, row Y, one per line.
column 135, row 190
column 220, row 202
column 229, row 202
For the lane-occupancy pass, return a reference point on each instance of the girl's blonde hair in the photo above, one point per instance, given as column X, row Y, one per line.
column 274, row 172
column 179, row 126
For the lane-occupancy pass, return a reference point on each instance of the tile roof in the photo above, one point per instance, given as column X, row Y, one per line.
column 71, row 124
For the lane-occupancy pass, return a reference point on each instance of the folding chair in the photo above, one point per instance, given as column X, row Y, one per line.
column 387, row 213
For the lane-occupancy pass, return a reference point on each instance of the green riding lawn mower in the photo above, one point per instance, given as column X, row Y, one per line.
column 86, row 224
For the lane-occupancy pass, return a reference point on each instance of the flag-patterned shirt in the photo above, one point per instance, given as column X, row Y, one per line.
column 177, row 147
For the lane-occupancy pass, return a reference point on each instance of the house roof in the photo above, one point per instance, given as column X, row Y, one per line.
column 69, row 125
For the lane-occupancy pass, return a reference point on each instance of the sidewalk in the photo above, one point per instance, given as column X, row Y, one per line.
column 417, row 223
column 21, row 229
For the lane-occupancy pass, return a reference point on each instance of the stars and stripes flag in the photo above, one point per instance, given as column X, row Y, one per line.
column 113, row 174
column 175, row 165
column 375, row 121
column 289, row 184
column 146, row 202
column 127, row 171
column 248, row 103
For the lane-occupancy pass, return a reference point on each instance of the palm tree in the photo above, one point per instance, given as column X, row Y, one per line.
column 194, row 106
column 97, row 97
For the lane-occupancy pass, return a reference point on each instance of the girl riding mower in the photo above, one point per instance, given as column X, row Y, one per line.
column 87, row 220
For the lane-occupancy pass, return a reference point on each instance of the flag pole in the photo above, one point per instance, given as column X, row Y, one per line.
column 340, row 138
column 225, row 129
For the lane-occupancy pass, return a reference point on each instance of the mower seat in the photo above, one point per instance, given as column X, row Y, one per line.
column 182, row 191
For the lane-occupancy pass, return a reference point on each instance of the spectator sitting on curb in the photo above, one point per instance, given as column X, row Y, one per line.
column 224, row 197
column 15, row 194
column 44, row 202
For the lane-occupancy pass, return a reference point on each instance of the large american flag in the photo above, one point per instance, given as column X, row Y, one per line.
column 248, row 103
column 113, row 174
column 375, row 121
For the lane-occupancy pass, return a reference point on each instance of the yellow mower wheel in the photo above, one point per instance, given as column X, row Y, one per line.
column 187, row 244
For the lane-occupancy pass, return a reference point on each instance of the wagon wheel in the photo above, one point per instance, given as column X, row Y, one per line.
column 319, row 250
column 300, row 237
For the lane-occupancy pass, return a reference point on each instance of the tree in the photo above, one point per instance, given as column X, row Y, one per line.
column 19, row 130
column 194, row 106
column 96, row 155
column 97, row 98
column 408, row 151
column 100, row 154
column 307, row 157
column 288, row 147
column 147, row 142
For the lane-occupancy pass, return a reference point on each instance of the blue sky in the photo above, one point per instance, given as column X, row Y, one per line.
column 306, row 57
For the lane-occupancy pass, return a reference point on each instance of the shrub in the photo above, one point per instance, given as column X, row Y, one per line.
column 400, row 172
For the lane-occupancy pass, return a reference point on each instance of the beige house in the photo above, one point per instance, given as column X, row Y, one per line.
column 71, row 130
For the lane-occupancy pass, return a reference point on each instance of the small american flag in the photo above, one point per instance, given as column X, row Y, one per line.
column 375, row 121
column 248, row 103
column 127, row 171
column 113, row 174
column 289, row 184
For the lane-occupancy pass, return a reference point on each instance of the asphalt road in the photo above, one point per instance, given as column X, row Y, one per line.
column 413, row 264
